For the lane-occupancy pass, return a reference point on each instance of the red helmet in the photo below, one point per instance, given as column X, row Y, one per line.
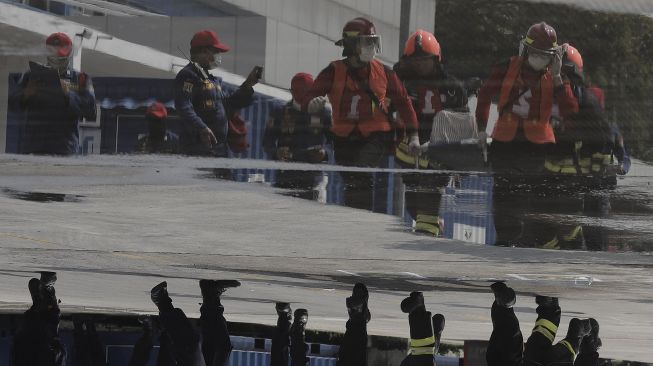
column 573, row 61
column 356, row 30
column 59, row 44
column 541, row 37
column 422, row 43
column 573, row 56
column 300, row 84
column 157, row 110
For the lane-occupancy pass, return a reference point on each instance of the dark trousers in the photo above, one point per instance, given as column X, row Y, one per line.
column 142, row 349
column 216, row 344
column 356, row 150
column 418, row 360
column 88, row 350
column 37, row 342
column 184, row 341
column 298, row 348
column 587, row 359
column 539, row 346
column 280, row 343
column 506, row 346
column 353, row 349
column 518, row 157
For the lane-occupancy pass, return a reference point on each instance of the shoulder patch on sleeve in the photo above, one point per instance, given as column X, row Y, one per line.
column 188, row 86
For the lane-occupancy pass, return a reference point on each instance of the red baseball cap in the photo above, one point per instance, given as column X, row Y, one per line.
column 157, row 110
column 60, row 44
column 208, row 38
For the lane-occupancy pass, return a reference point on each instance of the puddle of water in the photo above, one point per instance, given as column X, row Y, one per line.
column 481, row 209
column 536, row 212
column 41, row 196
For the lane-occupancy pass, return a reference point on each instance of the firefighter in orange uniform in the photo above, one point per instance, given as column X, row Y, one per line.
column 361, row 90
column 528, row 86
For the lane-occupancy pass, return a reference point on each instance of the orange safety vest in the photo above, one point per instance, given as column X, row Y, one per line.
column 537, row 131
column 343, row 122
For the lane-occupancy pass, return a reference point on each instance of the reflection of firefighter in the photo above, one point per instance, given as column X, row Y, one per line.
column 579, row 347
column 159, row 140
column 289, row 338
column 294, row 135
column 353, row 349
column 431, row 91
column 586, row 142
column 425, row 331
column 527, row 86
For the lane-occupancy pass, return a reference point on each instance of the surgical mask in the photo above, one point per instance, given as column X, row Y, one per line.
column 217, row 60
column 538, row 62
column 367, row 53
column 58, row 62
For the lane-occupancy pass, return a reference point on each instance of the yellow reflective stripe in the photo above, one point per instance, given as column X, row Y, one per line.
column 429, row 228
column 529, row 40
column 552, row 167
column 568, row 170
column 545, row 332
column 548, row 325
column 585, row 162
column 408, row 158
column 352, row 33
column 431, row 219
column 578, row 230
column 569, row 347
column 422, row 351
column 546, row 328
column 553, row 244
column 416, row 343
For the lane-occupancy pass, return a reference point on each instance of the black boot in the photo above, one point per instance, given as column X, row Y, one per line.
column 160, row 297
column 578, row 329
column 301, row 318
column 503, row 295
column 212, row 289
column 591, row 342
column 34, row 285
column 47, row 294
column 546, row 301
column 438, row 327
column 413, row 302
column 357, row 303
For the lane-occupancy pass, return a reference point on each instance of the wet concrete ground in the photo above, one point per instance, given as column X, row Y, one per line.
column 139, row 220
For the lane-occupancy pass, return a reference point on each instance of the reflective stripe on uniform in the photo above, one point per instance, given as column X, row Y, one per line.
column 428, row 223
column 404, row 156
column 546, row 328
column 422, row 342
column 416, row 351
column 578, row 230
column 569, row 347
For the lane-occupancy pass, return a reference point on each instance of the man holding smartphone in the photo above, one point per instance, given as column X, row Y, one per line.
column 55, row 99
column 203, row 105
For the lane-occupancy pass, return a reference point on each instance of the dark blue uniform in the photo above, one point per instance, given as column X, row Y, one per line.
column 299, row 131
column 201, row 102
column 52, row 121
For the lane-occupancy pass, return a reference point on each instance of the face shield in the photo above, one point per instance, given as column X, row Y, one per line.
column 538, row 59
column 370, row 46
column 58, row 57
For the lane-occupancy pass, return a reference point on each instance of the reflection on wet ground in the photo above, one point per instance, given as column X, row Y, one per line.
column 41, row 196
column 537, row 212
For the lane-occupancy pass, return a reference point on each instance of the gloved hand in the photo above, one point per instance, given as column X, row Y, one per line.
column 556, row 66
column 414, row 145
column 284, row 154
column 316, row 105
column 316, row 155
column 208, row 138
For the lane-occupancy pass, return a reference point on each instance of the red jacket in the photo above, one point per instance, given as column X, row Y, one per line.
column 352, row 106
column 525, row 98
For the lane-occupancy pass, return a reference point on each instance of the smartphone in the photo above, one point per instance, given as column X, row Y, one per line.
column 259, row 72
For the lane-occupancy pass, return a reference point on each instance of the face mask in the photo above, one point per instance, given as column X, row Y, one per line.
column 217, row 60
column 58, row 62
column 367, row 53
column 538, row 62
